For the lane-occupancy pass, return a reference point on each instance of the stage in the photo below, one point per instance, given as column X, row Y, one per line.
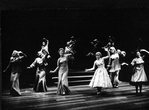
column 24, row 29
column 82, row 97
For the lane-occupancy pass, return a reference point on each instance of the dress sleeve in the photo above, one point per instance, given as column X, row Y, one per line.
column 133, row 62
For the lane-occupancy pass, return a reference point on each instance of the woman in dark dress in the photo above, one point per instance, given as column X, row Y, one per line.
column 15, row 64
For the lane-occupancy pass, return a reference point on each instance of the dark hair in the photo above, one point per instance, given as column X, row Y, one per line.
column 44, row 40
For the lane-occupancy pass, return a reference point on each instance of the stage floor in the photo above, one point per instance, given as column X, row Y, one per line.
column 82, row 97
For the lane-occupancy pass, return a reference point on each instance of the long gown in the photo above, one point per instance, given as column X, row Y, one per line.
column 100, row 77
column 139, row 74
column 14, row 78
column 40, row 81
column 62, row 76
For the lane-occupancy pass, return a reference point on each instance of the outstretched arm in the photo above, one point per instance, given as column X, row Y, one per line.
column 22, row 54
column 33, row 64
column 143, row 50
column 108, row 53
column 91, row 69
column 124, row 63
column 47, row 41
column 133, row 62
column 46, row 46
column 57, row 68
column 7, row 67
column 123, row 53
column 69, row 56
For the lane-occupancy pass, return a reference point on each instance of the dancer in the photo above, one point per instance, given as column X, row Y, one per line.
column 101, row 78
column 44, row 49
column 40, row 81
column 114, row 66
column 69, row 49
column 139, row 75
column 62, row 68
column 15, row 62
column 70, row 46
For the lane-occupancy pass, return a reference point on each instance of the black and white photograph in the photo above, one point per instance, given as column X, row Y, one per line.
column 74, row 54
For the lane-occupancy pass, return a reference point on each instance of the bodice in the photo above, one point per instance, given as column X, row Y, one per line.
column 138, row 63
column 99, row 63
column 114, row 56
column 40, row 63
column 63, row 62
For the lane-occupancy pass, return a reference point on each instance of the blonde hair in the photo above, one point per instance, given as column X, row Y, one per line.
column 113, row 48
column 60, row 49
column 98, row 54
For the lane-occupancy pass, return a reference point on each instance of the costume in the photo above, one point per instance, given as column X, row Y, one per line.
column 139, row 74
column 62, row 76
column 114, row 69
column 100, row 77
column 40, row 81
column 15, row 61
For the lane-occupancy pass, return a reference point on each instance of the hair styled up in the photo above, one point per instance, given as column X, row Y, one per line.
column 98, row 54
column 60, row 49
column 15, row 53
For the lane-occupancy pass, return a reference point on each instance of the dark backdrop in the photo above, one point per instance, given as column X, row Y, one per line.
column 24, row 29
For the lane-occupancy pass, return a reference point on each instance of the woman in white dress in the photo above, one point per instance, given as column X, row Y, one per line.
column 100, row 78
column 62, row 68
column 139, row 75
column 40, row 80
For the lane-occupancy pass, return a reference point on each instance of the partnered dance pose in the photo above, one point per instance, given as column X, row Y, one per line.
column 15, row 63
column 139, row 75
column 114, row 65
column 62, row 68
column 40, row 80
column 45, row 49
column 70, row 46
column 100, row 78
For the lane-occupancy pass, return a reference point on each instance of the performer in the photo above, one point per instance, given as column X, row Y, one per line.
column 62, row 68
column 139, row 75
column 45, row 50
column 70, row 46
column 15, row 63
column 69, row 49
column 40, row 80
column 114, row 65
column 100, row 78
